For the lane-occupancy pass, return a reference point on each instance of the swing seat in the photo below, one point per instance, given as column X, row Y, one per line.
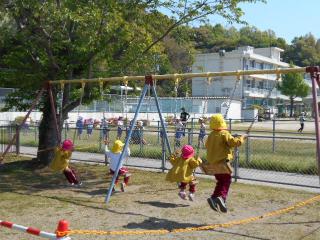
column 207, row 169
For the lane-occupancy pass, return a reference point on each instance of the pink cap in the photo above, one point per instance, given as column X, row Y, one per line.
column 67, row 145
column 187, row 151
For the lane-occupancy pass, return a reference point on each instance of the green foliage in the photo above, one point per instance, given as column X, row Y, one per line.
column 293, row 85
column 304, row 51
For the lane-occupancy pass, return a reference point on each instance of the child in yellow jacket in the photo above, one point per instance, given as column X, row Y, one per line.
column 60, row 162
column 182, row 171
column 220, row 144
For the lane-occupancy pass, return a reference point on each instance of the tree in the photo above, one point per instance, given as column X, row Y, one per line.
column 62, row 39
column 293, row 85
column 304, row 51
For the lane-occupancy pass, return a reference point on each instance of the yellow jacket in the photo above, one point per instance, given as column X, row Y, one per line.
column 182, row 169
column 220, row 144
column 61, row 159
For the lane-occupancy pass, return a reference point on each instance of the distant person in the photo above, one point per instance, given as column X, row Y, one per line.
column 202, row 132
column 120, row 127
column 79, row 127
column 301, row 120
column 105, row 129
column 184, row 116
column 137, row 134
column 179, row 133
column 90, row 125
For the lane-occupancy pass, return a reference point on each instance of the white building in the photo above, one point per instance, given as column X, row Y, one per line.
column 253, row 89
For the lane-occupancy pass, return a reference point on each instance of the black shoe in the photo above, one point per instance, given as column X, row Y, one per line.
column 213, row 204
column 222, row 205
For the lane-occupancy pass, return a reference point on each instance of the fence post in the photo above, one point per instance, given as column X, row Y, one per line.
column 192, row 129
column 35, row 131
column 236, row 164
column 141, row 139
column 230, row 126
column 190, row 135
column 100, row 138
column 163, row 160
column 65, row 130
column 248, row 149
column 273, row 134
column 158, row 122
column 17, row 139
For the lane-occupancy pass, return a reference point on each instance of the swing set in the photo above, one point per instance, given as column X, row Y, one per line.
column 149, row 85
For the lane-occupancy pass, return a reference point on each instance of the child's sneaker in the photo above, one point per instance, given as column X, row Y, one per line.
column 123, row 185
column 79, row 184
column 213, row 203
column 191, row 196
column 222, row 204
column 182, row 195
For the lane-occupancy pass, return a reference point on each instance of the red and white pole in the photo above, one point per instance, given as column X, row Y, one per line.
column 37, row 232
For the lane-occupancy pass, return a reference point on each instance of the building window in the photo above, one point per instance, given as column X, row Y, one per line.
column 248, row 83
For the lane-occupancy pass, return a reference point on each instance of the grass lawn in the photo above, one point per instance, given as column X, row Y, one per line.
column 40, row 198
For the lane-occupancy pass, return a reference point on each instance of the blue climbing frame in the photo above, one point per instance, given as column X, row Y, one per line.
column 148, row 84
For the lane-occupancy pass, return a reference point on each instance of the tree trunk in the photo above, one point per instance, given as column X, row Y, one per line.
column 291, row 106
column 47, row 134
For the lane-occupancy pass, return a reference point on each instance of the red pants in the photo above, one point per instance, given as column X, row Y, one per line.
column 192, row 186
column 222, row 186
column 71, row 175
column 122, row 172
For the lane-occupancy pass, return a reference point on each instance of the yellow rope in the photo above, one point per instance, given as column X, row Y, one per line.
column 192, row 229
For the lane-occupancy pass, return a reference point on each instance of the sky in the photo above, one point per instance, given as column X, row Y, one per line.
column 287, row 18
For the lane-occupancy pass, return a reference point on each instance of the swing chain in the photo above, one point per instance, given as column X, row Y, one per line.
column 232, row 94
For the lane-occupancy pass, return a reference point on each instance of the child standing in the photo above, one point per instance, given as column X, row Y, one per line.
column 220, row 144
column 79, row 126
column 182, row 171
column 179, row 133
column 202, row 132
column 105, row 129
column 90, row 125
column 114, row 157
column 120, row 127
column 61, row 160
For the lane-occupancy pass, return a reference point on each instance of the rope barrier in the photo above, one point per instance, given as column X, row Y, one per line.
column 193, row 229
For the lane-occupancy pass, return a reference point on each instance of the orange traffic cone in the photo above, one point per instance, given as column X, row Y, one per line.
column 63, row 228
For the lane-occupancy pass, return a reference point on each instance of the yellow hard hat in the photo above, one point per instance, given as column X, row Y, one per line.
column 117, row 146
column 217, row 122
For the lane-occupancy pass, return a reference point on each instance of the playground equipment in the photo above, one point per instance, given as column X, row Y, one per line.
column 149, row 84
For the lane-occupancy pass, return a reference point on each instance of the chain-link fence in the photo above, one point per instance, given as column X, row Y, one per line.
column 268, row 156
column 7, row 134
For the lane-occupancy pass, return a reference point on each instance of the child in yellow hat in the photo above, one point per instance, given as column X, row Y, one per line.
column 114, row 157
column 182, row 171
column 219, row 145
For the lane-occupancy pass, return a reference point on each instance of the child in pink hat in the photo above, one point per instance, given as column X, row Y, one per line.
column 60, row 162
column 182, row 171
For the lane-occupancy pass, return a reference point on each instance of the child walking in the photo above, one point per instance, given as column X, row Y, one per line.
column 182, row 171
column 60, row 162
column 202, row 132
column 114, row 157
column 220, row 144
